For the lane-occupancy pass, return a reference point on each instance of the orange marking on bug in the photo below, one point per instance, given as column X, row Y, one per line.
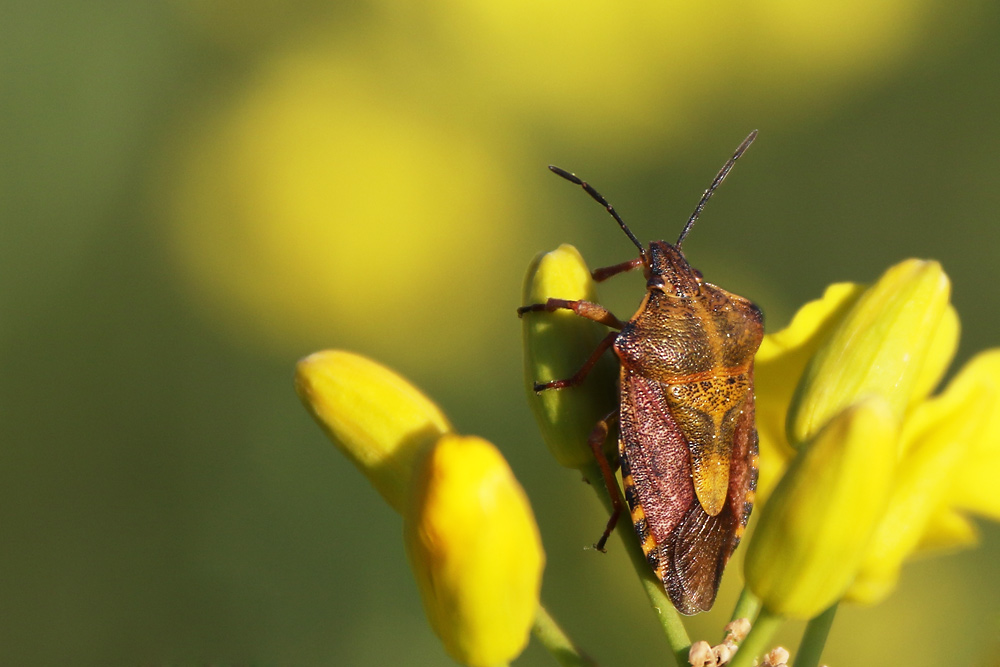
column 711, row 482
column 712, row 374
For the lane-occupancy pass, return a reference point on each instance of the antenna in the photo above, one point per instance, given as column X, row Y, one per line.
column 573, row 178
column 721, row 176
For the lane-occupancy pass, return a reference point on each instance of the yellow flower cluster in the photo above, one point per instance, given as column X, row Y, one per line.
column 860, row 465
column 468, row 527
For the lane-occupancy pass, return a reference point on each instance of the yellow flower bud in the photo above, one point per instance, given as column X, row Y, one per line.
column 935, row 438
column 895, row 343
column 380, row 421
column 555, row 347
column 475, row 551
column 813, row 531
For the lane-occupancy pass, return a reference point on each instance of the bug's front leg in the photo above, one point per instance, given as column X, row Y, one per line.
column 602, row 274
column 588, row 309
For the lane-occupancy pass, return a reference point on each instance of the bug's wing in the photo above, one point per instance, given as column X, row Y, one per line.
column 697, row 553
column 686, row 547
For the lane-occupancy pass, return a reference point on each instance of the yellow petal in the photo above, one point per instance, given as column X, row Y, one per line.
column 935, row 439
column 380, row 421
column 475, row 551
column 943, row 344
column 779, row 364
column 976, row 478
column 948, row 530
column 887, row 345
column 556, row 345
column 813, row 532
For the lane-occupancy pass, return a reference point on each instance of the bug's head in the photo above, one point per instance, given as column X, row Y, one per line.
column 668, row 271
column 664, row 264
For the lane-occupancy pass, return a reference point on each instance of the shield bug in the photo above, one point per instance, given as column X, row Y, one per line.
column 687, row 441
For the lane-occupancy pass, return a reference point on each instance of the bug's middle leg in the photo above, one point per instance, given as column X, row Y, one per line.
column 580, row 375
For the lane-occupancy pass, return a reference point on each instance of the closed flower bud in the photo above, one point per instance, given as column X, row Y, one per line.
column 814, row 529
column 555, row 346
column 895, row 342
column 475, row 551
column 380, row 421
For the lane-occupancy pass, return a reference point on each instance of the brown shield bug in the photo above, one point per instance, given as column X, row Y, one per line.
column 687, row 443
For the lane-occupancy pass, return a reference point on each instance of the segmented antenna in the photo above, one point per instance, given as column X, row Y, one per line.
column 716, row 183
column 573, row 178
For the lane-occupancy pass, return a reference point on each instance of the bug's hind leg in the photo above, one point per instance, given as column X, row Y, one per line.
column 596, row 442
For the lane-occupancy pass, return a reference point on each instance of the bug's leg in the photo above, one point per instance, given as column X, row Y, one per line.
column 586, row 309
column 581, row 374
column 596, row 442
column 606, row 272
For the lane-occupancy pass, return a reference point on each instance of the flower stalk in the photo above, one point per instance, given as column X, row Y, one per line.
column 548, row 633
column 814, row 638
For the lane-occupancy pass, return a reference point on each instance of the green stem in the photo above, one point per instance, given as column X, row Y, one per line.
column 814, row 638
column 748, row 606
column 670, row 620
column 551, row 636
column 759, row 639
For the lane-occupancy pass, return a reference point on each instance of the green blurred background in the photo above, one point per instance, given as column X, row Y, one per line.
column 196, row 194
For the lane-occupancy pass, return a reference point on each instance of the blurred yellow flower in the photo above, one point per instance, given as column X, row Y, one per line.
column 620, row 75
column 475, row 551
column 890, row 343
column 555, row 347
column 318, row 204
column 338, row 190
column 381, row 422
